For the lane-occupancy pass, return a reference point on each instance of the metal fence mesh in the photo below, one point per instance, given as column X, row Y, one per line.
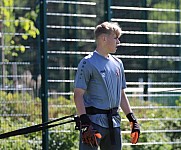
column 20, row 78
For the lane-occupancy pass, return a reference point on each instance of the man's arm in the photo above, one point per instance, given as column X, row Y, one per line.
column 135, row 129
column 125, row 106
column 79, row 100
column 89, row 135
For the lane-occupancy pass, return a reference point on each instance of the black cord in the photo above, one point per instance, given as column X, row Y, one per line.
column 38, row 127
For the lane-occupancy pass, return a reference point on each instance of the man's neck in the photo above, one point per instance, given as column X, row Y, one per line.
column 102, row 52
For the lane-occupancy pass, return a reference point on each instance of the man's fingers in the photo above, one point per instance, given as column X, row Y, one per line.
column 131, row 125
column 90, row 135
column 134, row 137
column 85, row 140
column 98, row 135
column 95, row 142
column 92, row 141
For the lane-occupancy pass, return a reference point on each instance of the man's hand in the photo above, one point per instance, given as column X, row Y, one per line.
column 89, row 135
column 135, row 129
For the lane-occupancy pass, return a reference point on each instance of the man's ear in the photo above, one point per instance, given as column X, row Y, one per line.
column 104, row 38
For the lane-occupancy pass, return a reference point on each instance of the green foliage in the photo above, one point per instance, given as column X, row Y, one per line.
column 60, row 106
column 25, row 104
column 160, row 39
column 155, row 125
column 178, row 102
column 65, row 137
column 23, row 142
column 24, row 24
column 19, row 103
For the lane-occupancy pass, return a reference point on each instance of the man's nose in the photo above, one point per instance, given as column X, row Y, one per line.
column 118, row 41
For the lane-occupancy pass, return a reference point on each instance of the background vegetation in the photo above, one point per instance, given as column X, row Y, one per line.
column 20, row 79
column 65, row 137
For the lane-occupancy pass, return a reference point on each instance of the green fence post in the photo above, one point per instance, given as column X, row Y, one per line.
column 107, row 10
column 67, row 48
column 178, row 30
column 146, row 50
column 44, row 72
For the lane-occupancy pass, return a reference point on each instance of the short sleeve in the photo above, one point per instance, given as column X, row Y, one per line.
column 123, row 77
column 83, row 74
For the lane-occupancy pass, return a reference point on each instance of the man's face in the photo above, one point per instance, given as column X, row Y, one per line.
column 111, row 44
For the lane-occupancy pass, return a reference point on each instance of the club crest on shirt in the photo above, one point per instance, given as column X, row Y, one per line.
column 103, row 73
column 117, row 72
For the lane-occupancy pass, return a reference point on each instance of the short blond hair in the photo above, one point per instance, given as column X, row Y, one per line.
column 107, row 28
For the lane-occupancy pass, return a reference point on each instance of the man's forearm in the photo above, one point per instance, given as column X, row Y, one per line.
column 80, row 106
column 125, row 106
column 79, row 101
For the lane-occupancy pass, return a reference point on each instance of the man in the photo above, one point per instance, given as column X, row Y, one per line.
column 99, row 92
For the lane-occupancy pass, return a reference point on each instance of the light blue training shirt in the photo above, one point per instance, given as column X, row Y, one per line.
column 102, row 79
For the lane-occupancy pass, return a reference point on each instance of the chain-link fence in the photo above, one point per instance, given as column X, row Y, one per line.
column 20, row 78
column 150, row 50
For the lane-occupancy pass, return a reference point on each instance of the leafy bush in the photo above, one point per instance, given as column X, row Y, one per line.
column 65, row 137
column 24, row 103
column 154, row 125
column 64, row 140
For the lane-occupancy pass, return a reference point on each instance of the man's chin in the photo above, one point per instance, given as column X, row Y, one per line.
column 114, row 51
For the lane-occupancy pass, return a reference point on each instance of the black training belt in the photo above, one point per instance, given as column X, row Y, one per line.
column 111, row 112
